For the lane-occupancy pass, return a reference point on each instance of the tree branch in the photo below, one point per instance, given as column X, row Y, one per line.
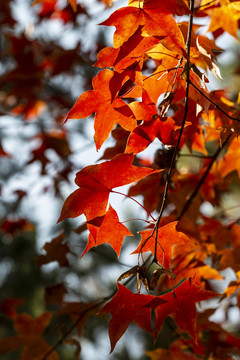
column 201, row 181
column 188, row 68
column 80, row 318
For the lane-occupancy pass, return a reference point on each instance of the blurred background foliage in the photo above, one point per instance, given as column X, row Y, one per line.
column 46, row 57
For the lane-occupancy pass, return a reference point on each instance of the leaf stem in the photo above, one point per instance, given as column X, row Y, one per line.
column 212, row 102
column 147, row 221
column 129, row 197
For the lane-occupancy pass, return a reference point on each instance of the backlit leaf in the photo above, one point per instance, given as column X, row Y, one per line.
column 110, row 231
column 96, row 182
column 167, row 237
column 130, row 310
column 109, row 111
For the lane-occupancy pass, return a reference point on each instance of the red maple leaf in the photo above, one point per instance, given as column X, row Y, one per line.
column 127, row 307
column 182, row 305
column 96, row 182
column 110, row 231
column 109, row 111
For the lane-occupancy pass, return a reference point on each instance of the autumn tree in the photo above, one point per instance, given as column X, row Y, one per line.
column 174, row 149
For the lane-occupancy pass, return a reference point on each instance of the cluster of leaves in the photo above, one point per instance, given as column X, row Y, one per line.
column 151, row 87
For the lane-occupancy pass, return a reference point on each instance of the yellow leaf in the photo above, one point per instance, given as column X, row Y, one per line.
column 238, row 99
column 73, row 4
column 226, row 18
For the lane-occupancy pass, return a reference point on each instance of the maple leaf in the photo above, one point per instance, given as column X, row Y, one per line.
column 181, row 303
column 167, row 237
column 16, row 226
column 231, row 160
column 109, row 111
column 29, row 337
column 132, row 50
column 197, row 270
column 110, row 231
column 73, row 4
column 150, row 63
column 176, row 351
column 56, row 250
column 229, row 258
column 96, row 182
column 127, row 307
column 225, row 17
column 143, row 135
column 30, row 327
column 127, row 60
column 55, row 294
column 148, row 18
column 153, row 126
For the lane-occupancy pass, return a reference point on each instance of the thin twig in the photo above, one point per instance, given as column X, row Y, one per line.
column 80, row 318
column 201, row 181
column 137, row 202
column 75, row 324
column 147, row 221
column 213, row 103
column 196, row 156
column 162, row 71
column 222, row 212
column 205, row 5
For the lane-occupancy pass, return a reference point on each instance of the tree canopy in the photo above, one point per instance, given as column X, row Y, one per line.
column 167, row 264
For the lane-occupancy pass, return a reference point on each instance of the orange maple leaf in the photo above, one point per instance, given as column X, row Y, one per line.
column 109, row 111
column 96, row 182
column 143, row 135
column 167, row 237
column 110, row 231
column 73, row 4
column 225, row 17
column 132, row 50
column 231, row 161
column 147, row 17
column 29, row 336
